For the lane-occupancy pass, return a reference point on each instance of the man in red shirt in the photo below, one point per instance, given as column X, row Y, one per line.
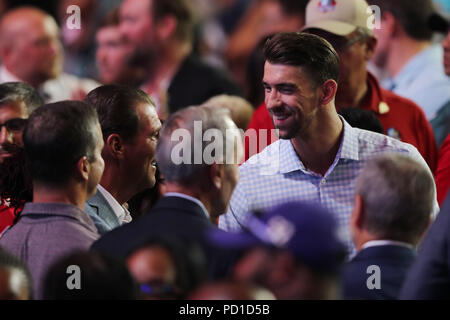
column 17, row 101
column 344, row 25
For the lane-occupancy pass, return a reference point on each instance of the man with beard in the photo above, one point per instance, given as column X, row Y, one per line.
column 161, row 33
column 319, row 155
column 17, row 101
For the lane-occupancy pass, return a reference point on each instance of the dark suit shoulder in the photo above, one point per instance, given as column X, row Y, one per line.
column 390, row 263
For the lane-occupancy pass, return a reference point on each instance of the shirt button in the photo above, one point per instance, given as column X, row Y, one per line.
column 323, row 182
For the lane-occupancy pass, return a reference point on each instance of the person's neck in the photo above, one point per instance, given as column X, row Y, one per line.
column 113, row 182
column 317, row 147
column 402, row 50
column 69, row 194
column 169, row 61
column 202, row 196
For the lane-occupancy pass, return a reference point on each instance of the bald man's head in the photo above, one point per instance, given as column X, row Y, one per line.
column 30, row 48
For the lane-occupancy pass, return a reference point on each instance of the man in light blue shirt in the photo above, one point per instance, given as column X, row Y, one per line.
column 413, row 64
column 319, row 155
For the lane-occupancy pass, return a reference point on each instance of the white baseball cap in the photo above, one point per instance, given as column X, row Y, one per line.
column 340, row 17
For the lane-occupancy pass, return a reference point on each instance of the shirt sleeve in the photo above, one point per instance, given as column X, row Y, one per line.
column 238, row 210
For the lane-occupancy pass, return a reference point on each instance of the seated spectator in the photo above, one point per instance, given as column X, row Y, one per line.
column 166, row 268
column 100, row 278
column 428, row 278
column 161, row 35
column 15, row 279
column 362, row 119
column 394, row 199
column 17, row 101
column 198, row 187
column 63, row 144
column 31, row 52
column 355, row 43
column 240, row 109
column 413, row 62
column 293, row 250
column 112, row 53
column 130, row 129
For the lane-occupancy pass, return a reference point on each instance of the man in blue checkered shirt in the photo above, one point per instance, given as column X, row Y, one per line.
column 319, row 155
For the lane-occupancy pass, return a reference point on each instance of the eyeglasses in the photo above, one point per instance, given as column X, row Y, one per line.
column 14, row 125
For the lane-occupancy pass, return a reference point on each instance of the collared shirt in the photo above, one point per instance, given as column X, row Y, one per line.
column 185, row 196
column 277, row 175
column 64, row 87
column 45, row 233
column 378, row 243
column 122, row 213
column 424, row 81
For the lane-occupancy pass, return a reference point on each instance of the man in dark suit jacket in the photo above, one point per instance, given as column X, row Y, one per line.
column 197, row 191
column 130, row 129
column 429, row 277
column 393, row 206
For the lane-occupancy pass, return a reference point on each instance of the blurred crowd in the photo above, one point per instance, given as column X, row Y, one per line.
column 224, row 150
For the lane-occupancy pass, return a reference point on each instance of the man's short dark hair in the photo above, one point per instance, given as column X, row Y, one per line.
column 304, row 50
column 116, row 108
column 181, row 10
column 413, row 15
column 56, row 137
column 11, row 92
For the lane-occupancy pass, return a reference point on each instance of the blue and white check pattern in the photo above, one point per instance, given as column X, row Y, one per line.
column 277, row 175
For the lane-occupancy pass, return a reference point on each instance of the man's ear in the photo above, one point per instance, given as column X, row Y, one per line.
column 357, row 217
column 166, row 26
column 83, row 168
column 216, row 172
column 115, row 146
column 329, row 89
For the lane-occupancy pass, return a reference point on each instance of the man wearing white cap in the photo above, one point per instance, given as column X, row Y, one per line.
column 348, row 26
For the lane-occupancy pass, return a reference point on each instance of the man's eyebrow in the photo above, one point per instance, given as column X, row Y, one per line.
column 286, row 86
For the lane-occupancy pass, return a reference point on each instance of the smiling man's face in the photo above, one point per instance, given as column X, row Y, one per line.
column 291, row 98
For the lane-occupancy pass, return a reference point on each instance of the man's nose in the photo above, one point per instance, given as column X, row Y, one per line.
column 4, row 135
column 273, row 99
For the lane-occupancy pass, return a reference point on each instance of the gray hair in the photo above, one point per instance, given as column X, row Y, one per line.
column 398, row 195
column 189, row 134
column 12, row 92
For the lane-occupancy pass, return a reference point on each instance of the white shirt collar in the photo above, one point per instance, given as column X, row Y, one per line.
column 185, row 196
column 7, row 76
column 121, row 212
column 377, row 243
